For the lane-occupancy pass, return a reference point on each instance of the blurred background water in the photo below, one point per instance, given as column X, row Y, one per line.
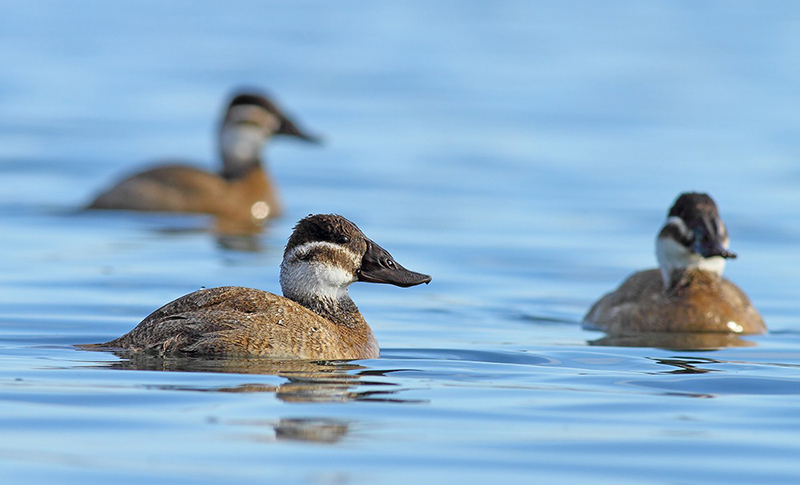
column 522, row 153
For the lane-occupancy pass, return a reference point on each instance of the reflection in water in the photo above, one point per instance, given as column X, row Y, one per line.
column 316, row 430
column 307, row 381
column 683, row 377
column 687, row 366
column 675, row 341
column 247, row 243
column 233, row 234
column 238, row 235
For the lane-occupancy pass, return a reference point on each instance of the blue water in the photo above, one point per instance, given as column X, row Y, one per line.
column 522, row 153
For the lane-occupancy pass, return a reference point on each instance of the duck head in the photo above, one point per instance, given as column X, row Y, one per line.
column 326, row 253
column 250, row 121
column 693, row 236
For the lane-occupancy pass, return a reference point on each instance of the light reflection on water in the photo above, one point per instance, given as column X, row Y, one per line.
column 522, row 153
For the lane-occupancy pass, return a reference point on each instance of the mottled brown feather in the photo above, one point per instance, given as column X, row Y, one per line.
column 699, row 301
column 181, row 188
column 234, row 320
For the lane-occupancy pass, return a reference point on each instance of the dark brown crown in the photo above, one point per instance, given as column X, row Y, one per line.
column 254, row 99
column 331, row 228
column 286, row 126
column 693, row 207
column 703, row 232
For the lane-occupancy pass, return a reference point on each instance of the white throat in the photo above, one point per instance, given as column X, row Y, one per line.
column 306, row 280
column 674, row 256
column 241, row 145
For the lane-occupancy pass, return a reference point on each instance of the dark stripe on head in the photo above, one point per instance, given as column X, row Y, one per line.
column 330, row 228
column 286, row 125
column 675, row 232
column 692, row 207
column 253, row 99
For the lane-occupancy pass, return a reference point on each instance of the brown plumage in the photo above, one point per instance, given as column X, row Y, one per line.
column 699, row 301
column 236, row 320
column 177, row 188
column 241, row 191
column 314, row 320
column 687, row 293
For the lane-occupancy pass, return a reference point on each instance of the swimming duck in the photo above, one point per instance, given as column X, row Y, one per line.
column 314, row 320
column 243, row 190
column 687, row 293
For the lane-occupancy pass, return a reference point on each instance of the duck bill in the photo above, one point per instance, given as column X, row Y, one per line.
column 708, row 249
column 710, row 243
column 378, row 266
column 288, row 128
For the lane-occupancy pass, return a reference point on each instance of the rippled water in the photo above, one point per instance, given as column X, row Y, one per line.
column 522, row 153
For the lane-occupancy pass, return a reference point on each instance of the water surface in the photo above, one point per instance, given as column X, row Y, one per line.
column 522, row 153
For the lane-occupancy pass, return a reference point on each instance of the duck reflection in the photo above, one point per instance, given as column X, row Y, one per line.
column 236, row 235
column 687, row 366
column 675, row 341
column 324, row 382
column 318, row 430
column 312, row 430
column 230, row 234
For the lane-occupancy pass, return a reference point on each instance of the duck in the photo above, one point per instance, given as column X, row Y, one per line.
column 315, row 319
column 687, row 293
column 242, row 191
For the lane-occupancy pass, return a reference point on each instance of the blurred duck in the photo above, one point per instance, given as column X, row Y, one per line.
column 314, row 320
column 242, row 191
column 688, row 292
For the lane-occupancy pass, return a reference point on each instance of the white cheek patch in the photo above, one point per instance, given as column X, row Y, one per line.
column 682, row 228
column 316, row 280
column 674, row 256
column 242, row 142
column 301, row 279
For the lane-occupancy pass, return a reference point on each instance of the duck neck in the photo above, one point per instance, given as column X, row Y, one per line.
column 321, row 288
column 342, row 311
column 240, row 150
column 684, row 277
column 677, row 262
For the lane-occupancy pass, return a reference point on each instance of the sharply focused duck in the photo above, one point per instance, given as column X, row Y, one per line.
column 243, row 190
column 688, row 292
column 314, row 320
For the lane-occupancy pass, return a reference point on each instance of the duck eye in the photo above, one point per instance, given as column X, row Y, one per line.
column 343, row 239
column 390, row 263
